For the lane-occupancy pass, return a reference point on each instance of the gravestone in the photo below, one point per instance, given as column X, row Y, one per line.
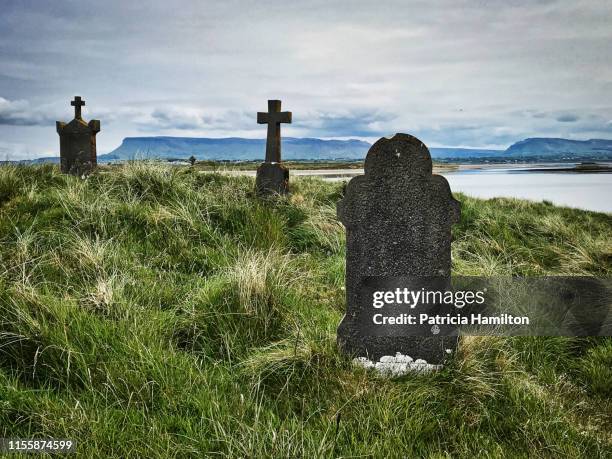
column 78, row 142
column 398, row 219
column 272, row 176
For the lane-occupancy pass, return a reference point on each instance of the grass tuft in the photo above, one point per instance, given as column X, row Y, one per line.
column 156, row 311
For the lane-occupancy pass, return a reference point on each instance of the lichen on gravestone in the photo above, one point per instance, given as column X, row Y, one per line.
column 78, row 142
column 272, row 177
column 398, row 219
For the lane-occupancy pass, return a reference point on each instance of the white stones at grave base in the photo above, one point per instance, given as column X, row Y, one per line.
column 398, row 365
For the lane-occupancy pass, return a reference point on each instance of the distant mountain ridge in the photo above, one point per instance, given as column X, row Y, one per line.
column 241, row 149
column 235, row 148
column 544, row 147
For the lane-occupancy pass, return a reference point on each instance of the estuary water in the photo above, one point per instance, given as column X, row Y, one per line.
column 582, row 190
column 591, row 191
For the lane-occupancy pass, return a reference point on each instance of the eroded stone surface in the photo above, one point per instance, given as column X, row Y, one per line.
column 398, row 219
column 78, row 142
column 272, row 177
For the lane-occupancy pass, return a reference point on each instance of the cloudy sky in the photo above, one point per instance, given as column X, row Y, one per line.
column 454, row 72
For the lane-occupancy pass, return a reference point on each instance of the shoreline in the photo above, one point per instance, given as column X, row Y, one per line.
column 345, row 172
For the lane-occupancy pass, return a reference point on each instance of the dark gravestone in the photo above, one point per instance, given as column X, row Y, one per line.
column 272, row 176
column 398, row 219
column 78, row 142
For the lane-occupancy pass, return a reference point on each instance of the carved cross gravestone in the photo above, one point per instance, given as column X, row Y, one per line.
column 272, row 176
column 78, row 142
column 398, row 219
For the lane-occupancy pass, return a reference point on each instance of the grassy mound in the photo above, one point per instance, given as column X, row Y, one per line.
column 153, row 311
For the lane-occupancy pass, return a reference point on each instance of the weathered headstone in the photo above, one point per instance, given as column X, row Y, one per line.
column 272, row 176
column 398, row 219
column 78, row 142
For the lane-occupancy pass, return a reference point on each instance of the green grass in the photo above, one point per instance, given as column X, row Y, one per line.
column 154, row 311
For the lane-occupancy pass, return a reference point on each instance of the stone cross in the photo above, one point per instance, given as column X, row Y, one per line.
column 272, row 176
column 78, row 142
column 77, row 103
column 273, row 119
column 398, row 219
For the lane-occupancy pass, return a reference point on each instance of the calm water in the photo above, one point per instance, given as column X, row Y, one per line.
column 591, row 191
column 581, row 190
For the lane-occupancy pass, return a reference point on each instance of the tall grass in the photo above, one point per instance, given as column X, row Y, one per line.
column 153, row 311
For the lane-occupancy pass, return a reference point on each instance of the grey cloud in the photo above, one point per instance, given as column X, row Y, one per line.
column 567, row 118
column 468, row 135
column 359, row 123
column 345, row 68
column 25, row 113
column 189, row 119
column 20, row 113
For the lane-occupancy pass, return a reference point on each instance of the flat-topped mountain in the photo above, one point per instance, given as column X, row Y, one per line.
column 545, row 147
column 235, row 148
